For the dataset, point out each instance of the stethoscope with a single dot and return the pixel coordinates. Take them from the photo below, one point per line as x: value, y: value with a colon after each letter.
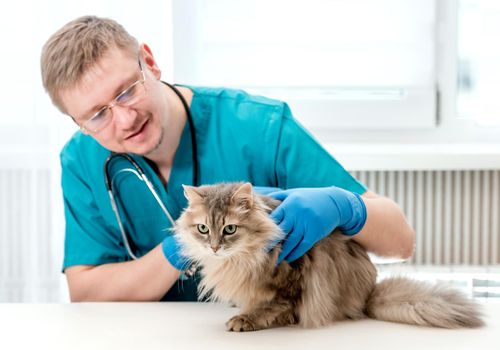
x: 137, y: 170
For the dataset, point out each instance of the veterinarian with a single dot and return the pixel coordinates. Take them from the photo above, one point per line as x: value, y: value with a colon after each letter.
x: 118, y: 245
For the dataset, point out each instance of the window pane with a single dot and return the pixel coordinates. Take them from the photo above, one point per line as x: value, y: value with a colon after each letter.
x: 17, y: 91
x: 340, y: 64
x: 479, y: 57
x: 309, y: 43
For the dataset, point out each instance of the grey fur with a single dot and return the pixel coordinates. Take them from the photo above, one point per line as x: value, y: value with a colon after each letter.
x: 334, y: 281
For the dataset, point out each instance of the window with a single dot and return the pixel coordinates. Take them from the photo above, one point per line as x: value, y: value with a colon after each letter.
x: 340, y: 64
x: 478, y: 59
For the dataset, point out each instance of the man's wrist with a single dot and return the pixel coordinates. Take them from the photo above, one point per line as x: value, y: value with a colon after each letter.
x: 353, y: 209
x: 172, y: 252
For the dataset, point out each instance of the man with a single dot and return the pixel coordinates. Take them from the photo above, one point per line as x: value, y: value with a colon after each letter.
x: 98, y: 74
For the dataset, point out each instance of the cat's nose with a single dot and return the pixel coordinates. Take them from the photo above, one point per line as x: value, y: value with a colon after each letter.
x: 215, y: 248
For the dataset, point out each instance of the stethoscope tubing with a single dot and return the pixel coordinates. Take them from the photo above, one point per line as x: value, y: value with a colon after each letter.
x: 137, y: 169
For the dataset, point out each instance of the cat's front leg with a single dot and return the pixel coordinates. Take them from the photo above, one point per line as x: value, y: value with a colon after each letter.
x: 241, y: 323
x: 271, y: 315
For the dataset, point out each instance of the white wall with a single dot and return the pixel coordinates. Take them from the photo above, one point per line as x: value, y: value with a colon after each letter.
x: 32, y: 132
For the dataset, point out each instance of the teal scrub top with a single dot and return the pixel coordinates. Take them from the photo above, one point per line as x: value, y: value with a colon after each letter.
x: 240, y: 137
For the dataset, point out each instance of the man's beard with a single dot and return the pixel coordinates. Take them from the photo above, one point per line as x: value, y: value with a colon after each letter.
x: 157, y: 146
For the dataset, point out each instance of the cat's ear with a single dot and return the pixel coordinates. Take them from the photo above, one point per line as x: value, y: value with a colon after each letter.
x: 243, y: 196
x: 191, y: 193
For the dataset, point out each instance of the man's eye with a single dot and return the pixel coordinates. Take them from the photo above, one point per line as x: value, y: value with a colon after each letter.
x: 100, y: 115
x: 126, y: 95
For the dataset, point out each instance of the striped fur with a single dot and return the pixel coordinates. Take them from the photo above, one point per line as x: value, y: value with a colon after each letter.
x: 334, y: 281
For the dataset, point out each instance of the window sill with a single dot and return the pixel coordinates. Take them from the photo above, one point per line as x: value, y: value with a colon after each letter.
x: 456, y: 156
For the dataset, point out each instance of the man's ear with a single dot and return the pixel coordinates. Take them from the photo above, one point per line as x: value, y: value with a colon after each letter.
x: 146, y: 55
x: 243, y: 196
x: 192, y: 194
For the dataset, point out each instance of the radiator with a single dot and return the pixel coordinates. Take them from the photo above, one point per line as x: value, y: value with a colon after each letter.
x: 455, y: 213
x: 29, y: 267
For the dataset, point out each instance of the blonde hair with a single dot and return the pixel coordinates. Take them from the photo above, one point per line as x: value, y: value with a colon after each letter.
x: 76, y: 47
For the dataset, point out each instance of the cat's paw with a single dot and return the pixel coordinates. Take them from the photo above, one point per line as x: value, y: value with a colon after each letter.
x: 241, y: 323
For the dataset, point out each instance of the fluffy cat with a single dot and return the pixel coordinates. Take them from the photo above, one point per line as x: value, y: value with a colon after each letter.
x: 226, y: 230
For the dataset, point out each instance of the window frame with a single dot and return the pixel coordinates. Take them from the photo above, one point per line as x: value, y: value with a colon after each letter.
x: 449, y: 127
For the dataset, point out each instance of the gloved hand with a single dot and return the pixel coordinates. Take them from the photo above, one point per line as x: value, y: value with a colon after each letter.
x: 171, y: 250
x: 307, y: 215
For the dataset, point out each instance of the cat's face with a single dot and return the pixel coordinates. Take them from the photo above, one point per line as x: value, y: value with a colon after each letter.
x: 224, y: 220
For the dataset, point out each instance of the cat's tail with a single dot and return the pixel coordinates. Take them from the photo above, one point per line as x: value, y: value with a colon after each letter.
x: 409, y: 301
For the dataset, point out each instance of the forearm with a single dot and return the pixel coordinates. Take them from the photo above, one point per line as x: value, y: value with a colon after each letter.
x: 144, y: 279
x: 386, y: 231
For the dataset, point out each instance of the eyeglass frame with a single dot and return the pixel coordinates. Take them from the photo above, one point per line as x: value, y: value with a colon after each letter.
x: 113, y: 103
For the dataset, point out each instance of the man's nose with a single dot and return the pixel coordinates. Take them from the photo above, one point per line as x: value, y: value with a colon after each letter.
x: 124, y: 117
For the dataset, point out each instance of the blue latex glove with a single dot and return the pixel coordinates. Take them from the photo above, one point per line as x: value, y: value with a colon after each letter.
x: 171, y: 250
x: 307, y: 215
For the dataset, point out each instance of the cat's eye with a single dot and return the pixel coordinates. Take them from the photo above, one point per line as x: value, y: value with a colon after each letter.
x: 230, y: 229
x: 203, y: 229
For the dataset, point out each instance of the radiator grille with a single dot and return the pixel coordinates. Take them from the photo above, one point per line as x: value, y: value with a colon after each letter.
x: 455, y: 213
x: 28, y: 270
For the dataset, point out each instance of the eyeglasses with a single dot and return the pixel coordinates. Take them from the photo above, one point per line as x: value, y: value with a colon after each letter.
x: 128, y: 97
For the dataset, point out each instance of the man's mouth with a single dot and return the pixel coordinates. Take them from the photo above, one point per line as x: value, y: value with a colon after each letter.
x: 137, y: 132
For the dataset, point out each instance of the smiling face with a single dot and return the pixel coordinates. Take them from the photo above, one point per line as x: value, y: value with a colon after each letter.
x: 136, y: 128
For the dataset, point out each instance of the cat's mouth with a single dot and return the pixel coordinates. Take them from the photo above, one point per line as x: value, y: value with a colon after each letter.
x: 219, y: 253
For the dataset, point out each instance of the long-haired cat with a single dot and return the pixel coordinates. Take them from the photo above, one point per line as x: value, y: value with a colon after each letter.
x: 226, y: 231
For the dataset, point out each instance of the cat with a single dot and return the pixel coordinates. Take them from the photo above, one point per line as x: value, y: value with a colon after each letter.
x: 226, y: 231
